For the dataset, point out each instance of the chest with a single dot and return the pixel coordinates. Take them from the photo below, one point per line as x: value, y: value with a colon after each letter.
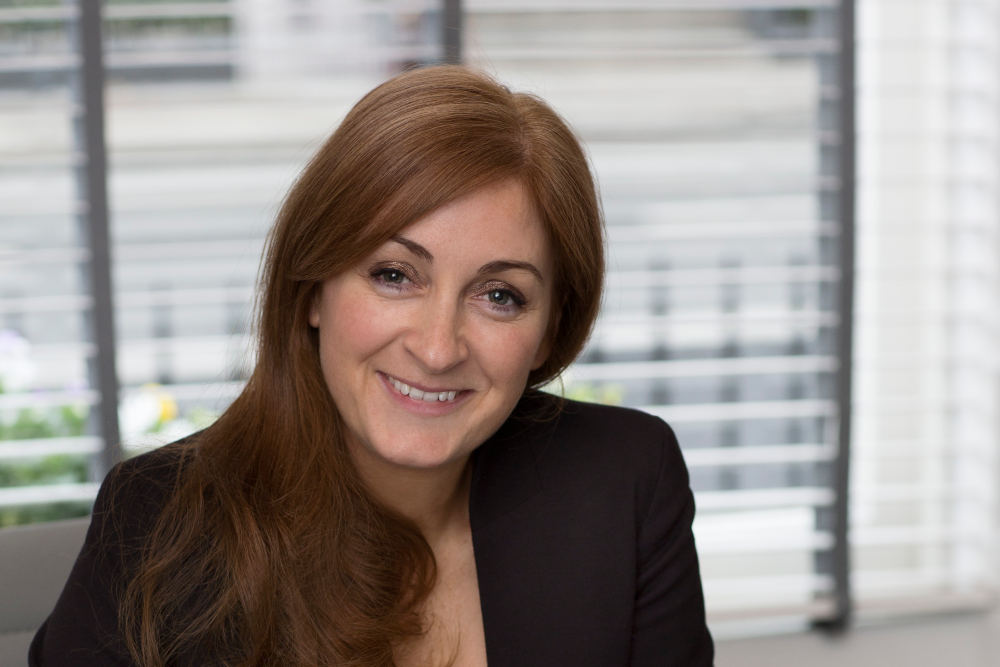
x: 453, y: 613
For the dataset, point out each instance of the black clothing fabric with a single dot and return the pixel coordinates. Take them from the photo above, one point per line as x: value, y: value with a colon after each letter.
x: 581, y: 526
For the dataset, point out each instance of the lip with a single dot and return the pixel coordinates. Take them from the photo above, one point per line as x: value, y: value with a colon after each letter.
x: 426, y: 408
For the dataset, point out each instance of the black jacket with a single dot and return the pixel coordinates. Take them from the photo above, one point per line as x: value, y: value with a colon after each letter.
x: 581, y: 526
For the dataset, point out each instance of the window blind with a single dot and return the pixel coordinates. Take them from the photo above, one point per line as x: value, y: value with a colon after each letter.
x: 212, y: 109
x: 924, y: 494
x: 48, y: 453
x: 712, y: 126
x: 713, y: 131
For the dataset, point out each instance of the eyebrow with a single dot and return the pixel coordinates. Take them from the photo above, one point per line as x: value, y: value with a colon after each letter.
x: 498, y: 266
x: 414, y: 247
x: 508, y: 264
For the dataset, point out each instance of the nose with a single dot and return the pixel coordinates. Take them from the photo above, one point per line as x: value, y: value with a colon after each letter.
x: 436, y: 340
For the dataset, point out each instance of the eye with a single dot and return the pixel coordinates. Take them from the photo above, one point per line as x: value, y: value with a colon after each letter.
x: 500, y: 297
x: 394, y: 276
x: 390, y: 277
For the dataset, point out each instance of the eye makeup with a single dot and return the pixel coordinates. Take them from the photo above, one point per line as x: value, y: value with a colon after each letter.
x: 392, y: 275
x: 502, y: 290
x: 399, y: 276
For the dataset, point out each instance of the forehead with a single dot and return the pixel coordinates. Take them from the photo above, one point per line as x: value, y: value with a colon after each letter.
x: 496, y: 222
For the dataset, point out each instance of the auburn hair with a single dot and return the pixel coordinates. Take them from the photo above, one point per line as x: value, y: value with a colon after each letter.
x: 269, y: 550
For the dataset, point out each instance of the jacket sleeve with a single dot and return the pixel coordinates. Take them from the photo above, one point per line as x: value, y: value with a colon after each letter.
x: 669, y: 626
x: 83, y: 629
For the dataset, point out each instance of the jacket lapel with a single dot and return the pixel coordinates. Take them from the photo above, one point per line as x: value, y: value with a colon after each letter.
x: 503, y: 476
x: 505, y: 479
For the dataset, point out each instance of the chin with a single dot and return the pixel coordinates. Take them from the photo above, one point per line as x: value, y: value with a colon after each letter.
x: 417, y: 455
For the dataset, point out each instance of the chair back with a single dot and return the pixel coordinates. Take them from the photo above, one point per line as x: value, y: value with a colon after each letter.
x: 35, y: 562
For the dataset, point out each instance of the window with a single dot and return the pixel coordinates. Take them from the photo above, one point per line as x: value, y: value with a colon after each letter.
x: 49, y: 452
x: 721, y: 133
x: 924, y: 477
x: 713, y: 128
x: 211, y: 110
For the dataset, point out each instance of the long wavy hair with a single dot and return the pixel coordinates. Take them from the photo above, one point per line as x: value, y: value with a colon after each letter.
x: 269, y: 550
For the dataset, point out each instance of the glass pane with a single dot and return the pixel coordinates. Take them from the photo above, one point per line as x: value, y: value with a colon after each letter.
x: 213, y: 109
x: 713, y: 135
x: 924, y: 483
x: 45, y: 454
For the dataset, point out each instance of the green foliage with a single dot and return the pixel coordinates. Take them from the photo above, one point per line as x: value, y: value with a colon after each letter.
x: 802, y: 17
x: 17, y: 516
x: 180, y: 25
x: 60, y: 469
x: 30, y: 3
x: 31, y: 423
x: 64, y: 421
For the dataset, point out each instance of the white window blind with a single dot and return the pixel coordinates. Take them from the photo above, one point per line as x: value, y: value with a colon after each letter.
x: 47, y: 455
x: 924, y: 480
x: 212, y: 109
x: 201, y: 158
x: 710, y: 126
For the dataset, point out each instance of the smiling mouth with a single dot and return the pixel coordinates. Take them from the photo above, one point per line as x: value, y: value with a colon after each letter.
x: 421, y: 395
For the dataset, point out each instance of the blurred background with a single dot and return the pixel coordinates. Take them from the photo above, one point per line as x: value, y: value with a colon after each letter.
x: 801, y: 206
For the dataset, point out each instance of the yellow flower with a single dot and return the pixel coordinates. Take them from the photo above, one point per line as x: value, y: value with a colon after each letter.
x: 168, y: 405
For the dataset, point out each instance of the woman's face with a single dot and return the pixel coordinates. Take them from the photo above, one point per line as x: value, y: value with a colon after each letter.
x: 426, y: 344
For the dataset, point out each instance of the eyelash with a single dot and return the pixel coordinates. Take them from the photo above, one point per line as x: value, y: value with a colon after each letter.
x: 519, y: 302
x: 379, y: 271
x: 515, y: 297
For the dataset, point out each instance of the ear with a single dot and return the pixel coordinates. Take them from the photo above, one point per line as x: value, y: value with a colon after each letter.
x: 546, y: 347
x: 314, y: 305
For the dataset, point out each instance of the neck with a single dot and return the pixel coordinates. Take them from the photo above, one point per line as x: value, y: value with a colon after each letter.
x: 436, y: 499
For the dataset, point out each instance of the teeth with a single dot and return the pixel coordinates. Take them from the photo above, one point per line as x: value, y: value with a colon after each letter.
x: 420, y: 395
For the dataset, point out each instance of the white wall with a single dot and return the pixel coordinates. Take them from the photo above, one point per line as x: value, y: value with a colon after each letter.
x: 970, y: 640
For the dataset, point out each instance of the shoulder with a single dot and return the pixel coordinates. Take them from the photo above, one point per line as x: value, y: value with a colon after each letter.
x: 128, y: 504
x: 155, y: 468
x: 587, y: 450
x: 143, y: 480
x: 596, y: 436
x: 85, y: 621
x: 595, y: 420
x: 610, y: 425
x: 133, y: 494
x: 575, y: 509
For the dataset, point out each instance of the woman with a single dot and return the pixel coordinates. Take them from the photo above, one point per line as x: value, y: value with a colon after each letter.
x: 390, y: 488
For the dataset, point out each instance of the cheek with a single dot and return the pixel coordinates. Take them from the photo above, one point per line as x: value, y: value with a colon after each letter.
x: 506, y: 353
x: 352, y: 329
